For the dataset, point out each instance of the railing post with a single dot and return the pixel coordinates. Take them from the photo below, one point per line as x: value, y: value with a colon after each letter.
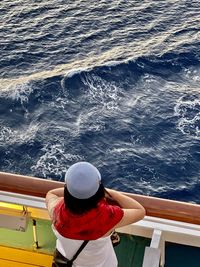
x: 35, y: 236
x: 162, y: 256
x: 152, y: 255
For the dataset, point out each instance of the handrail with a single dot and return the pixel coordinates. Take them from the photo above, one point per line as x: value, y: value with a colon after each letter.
x: 156, y: 207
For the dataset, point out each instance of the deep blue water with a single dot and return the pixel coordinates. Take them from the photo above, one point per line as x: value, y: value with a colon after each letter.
x: 114, y: 82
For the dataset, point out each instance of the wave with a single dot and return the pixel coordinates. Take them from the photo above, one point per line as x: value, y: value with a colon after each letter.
x: 165, y: 66
x: 137, y: 120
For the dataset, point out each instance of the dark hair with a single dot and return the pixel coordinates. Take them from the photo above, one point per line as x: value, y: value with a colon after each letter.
x: 80, y: 206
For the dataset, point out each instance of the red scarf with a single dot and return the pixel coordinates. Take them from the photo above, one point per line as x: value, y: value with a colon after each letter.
x: 88, y: 226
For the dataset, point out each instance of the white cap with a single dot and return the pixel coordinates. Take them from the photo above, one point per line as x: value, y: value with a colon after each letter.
x: 82, y: 180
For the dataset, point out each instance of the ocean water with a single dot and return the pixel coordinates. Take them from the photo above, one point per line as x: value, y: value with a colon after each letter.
x: 115, y: 83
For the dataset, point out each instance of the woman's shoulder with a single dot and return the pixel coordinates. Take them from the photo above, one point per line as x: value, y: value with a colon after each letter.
x: 52, y: 202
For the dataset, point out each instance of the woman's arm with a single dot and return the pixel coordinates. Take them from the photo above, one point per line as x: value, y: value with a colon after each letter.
x: 133, y: 210
x: 52, y: 198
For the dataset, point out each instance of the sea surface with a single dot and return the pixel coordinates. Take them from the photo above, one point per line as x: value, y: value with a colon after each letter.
x: 115, y: 83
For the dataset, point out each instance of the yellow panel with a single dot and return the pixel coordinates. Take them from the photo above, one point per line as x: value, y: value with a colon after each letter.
x: 39, y: 213
x: 35, y: 212
x: 11, y: 206
x: 5, y: 263
x: 23, y: 257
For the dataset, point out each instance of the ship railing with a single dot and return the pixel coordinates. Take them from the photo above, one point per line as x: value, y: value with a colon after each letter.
x: 166, y: 220
x: 161, y: 231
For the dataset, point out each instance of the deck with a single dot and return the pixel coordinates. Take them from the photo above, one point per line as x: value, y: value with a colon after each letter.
x: 166, y: 221
x: 18, y: 249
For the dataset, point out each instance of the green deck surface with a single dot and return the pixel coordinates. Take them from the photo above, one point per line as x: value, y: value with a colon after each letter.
x: 130, y: 251
x: 24, y: 240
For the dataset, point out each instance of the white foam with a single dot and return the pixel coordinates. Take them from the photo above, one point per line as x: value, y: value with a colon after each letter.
x: 103, y: 93
x: 60, y: 102
x: 192, y: 75
x: 5, y: 134
x: 148, y: 187
x: 188, y: 113
x: 133, y: 100
x: 72, y: 72
x: 89, y: 121
x: 19, y: 136
x: 19, y: 92
x: 53, y: 161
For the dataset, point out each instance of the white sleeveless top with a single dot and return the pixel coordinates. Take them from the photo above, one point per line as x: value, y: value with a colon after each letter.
x: 97, y: 253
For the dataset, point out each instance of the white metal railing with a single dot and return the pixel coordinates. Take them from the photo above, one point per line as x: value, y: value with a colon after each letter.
x: 24, y: 200
x: 152, y: 254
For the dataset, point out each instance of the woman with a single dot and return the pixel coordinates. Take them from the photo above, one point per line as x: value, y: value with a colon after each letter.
x: 81, y: 211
